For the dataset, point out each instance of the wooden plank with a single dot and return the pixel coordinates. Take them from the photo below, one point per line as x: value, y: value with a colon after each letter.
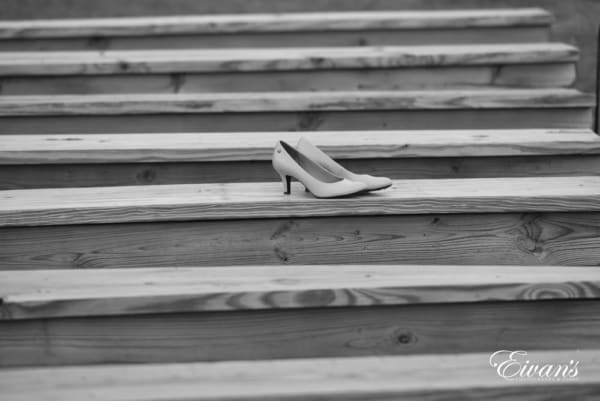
x: 512, y: 118
x: 423, y: 377
x: 302, y: 333
x: 432, y: 36
x: 119, y: 104
x: 525, y: 239
x: 524, y: 76
x: 292, y: 111
x: 286, y: 22
x: 110, y: 9
x: 29, y: 176
x: 255, y: 146
x: 64, y: 293
x: 45, y: 161
x: 278, y: 59
x: 153, y: 203
x: 541, y: 76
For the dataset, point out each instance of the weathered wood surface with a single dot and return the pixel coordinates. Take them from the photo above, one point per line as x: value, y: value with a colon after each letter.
x: 411, y: 37
x: 279, y: 59
x: 547, y: 75
x: 285, y: 22
x: 423, y: 377
x: 443, y: 99
x: 28, y: 176
x: 253, y: 146
x: 321, y: 69
x: 319, y: 120
x: 38, y: 207
x: 536, y: 239
x: 481, y: 108
x: 63, y: 293
x: 303, y: 333
x: 46, y: 161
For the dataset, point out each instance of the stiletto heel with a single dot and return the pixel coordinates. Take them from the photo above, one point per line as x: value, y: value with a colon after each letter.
x: 289, y: 162
x: 287, y: 183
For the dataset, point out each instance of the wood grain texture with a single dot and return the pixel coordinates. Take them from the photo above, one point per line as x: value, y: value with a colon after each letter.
x: 511, y: 118
x: 258, y: 146
x: 250, y: 23
x: 264, y: 200
x: 575, y: 22
x: 537, y: 239
x: 29, y: 176
x: 547, y: 75
x: 414, y: 37
x: 63, y: 293
x: 278, y: 59
x: 190, y: 7
x: 119, y: 104
x: 423, y: 377
x: 302, y: 333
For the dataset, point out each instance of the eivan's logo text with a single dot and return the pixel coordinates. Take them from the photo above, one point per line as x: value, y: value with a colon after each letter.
x: 517, y: 365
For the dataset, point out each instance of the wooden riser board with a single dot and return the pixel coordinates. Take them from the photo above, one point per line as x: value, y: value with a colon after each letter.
x: 525, y: 76
x: 571, y: 239
x: 466, y: 377
x: 364, y: 331
x: 302, y: 121
x: 433, y: 36
x: 108, y: 174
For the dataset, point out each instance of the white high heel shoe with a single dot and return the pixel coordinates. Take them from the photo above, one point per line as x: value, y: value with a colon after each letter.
x: 289, y: 162
x: 318, y: 156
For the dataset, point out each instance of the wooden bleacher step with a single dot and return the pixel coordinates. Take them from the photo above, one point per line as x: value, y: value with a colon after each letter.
x: 42, y: 294
x: 155, y: 203
x: 519, y: 221
x: 241, y: 70
x: 351, y: 28
x: 412, y: 378
x: 65, y: 317
x: 483, y: 108
x: 44, y: 161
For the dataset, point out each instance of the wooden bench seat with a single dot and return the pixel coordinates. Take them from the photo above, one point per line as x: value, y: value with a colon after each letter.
x: 155, y: 203
x: 351, y: 68
x: 96, y: 316
x: 484, y: 108
x: 281, y: 29
x: 44, y: 161
x: 258, y: 146
x: 500, y: 221
x: 45, y: 294
x: 466, y: 376
x: 240, y: 70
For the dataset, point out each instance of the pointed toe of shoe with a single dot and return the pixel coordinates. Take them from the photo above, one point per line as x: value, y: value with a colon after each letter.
x: 375, y: 183
x: 380, y: 183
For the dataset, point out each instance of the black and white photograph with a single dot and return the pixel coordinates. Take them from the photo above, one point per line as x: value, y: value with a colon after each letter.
x: 299, y: 200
